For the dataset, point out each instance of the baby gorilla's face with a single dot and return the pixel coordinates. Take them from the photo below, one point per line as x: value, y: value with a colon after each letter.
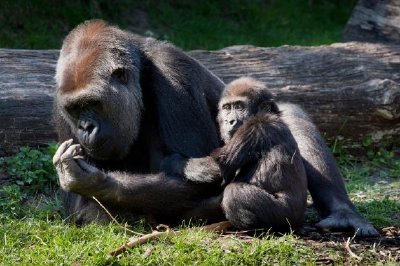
x: 233, y: 112
x: 242, y: 99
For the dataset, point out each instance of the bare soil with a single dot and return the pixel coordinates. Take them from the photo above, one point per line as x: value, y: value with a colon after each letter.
x: 367, y: 249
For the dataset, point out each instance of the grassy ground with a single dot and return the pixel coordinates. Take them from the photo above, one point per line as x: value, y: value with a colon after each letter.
x: 32, y: 226
x: 33, y: 230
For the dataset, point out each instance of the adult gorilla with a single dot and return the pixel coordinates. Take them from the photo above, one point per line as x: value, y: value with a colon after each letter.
x: 127, y: 102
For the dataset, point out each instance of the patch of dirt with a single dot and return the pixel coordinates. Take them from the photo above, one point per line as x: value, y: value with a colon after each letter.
x: 359, y: 251
x: 334, y: 248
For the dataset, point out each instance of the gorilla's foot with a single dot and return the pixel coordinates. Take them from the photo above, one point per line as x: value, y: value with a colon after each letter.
x: 347, y: 218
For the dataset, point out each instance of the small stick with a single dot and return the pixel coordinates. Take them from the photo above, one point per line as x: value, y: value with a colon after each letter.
x: 135, y: 242
x: 352, y: 254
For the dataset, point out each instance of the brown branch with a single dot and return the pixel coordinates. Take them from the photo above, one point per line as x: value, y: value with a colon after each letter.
x: 135, y: 242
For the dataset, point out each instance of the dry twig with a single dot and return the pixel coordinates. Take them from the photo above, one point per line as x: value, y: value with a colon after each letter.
x: 352, y: 254
x: 135, y: 242
x: 115, y: 220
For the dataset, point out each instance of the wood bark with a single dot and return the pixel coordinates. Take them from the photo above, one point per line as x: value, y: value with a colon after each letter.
x: 374, y: 21
x: 351, y: 90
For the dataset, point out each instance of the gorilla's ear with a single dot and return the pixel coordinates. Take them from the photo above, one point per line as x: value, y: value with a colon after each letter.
x: 179, y: 84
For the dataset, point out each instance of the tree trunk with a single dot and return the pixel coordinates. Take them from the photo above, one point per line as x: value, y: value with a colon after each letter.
x: 26, y: 98
x: 374, y: 21
x: 351, y: 90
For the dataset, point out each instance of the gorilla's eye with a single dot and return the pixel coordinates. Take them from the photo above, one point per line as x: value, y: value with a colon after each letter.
x: 238, y: 106
x: 76, y: 108
x: 226, y: 106
x: 73, y: 110
x: 121, y: 74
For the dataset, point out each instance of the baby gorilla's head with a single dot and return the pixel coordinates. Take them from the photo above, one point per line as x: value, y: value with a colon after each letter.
x: 241, y: 99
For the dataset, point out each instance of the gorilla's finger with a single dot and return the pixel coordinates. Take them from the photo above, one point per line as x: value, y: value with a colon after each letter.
x: 60, y: 151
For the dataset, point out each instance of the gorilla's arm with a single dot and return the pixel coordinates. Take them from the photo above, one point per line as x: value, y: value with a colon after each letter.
x: 141, y: 193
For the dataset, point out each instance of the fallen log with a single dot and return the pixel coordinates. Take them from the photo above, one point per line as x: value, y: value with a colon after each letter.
x: 374, y: 21
x: 351, y: 90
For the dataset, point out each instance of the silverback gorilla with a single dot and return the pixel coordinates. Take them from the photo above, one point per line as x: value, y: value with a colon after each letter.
x: 124, y: 102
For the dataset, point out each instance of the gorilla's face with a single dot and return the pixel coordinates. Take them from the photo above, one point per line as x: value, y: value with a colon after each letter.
x: 233, y: 111
x: 241, y: 99
x: 98, y: 90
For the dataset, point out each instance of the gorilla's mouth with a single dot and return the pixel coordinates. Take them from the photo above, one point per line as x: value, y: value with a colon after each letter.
x: 102, y: 150
x: 233, y: 131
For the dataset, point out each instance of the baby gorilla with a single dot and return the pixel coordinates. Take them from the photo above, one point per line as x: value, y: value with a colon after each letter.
x: 260, y: 161
x: 261, y: 166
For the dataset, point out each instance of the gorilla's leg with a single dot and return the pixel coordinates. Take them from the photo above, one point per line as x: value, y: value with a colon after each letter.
x: 325, y: 182
x: 209, y: 210
x: 82, y: 211
x: 250, y: 207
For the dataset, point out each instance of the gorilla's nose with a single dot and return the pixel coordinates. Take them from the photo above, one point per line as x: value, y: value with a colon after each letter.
x: 87, y: 126
x: 87, y: 130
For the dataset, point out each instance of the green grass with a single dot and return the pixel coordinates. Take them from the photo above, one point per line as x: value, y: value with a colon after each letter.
x: 373, y: 181
x: 33, y: 242
x: 213, y: 25
x: 42, y: 24
x: 377, y: 196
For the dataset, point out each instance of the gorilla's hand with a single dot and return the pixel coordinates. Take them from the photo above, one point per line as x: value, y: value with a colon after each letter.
x: 73, y: 172
x: 199, y: 170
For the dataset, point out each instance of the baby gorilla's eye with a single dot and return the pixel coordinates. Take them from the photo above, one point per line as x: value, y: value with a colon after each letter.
x: 226, y: 107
